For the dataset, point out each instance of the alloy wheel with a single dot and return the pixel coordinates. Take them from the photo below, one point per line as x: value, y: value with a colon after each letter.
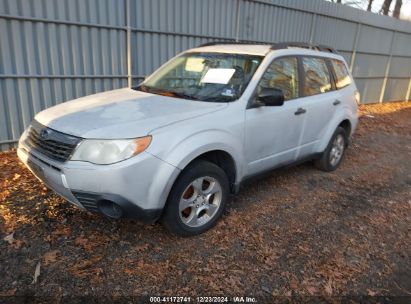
x: 337, y: 150
x: 200, y: 201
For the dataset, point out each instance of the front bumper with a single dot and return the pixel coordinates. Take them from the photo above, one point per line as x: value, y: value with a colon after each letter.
x: 139, y: 185
x: 98, y: 202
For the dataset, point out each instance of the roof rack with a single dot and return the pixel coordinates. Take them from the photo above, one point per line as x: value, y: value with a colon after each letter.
x: 279, y: 46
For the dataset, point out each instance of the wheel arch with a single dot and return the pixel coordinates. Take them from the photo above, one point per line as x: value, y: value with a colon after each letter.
x: 221, y: 158
x: 342, y: 121
x: 346, y: 125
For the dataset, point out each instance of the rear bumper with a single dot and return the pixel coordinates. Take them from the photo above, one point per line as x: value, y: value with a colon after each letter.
x: 138, y: 186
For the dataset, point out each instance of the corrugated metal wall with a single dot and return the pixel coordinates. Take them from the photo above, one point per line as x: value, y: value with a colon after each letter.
x: 56, y: 50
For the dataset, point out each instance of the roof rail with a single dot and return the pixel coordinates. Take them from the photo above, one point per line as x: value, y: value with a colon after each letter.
x: 227, y: 42
x: 278, y: 46
x: 326, y: 48
x: 319, y: 47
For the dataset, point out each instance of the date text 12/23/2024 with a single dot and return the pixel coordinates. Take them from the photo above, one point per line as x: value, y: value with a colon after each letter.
x: 203, y: 300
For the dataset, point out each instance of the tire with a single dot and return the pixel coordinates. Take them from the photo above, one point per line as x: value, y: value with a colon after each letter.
x: 332, y: 156
x: 194, y: 190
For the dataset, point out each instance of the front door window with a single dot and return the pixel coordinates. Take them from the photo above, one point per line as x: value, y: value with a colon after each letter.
x: 282, y: 74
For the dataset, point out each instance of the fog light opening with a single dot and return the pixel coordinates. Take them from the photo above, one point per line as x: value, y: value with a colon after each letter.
x: 110, y: 209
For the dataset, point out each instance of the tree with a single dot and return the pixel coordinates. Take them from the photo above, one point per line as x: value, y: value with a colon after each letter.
x: 397, y: 9
x: 386, y: 7
x: 369, y: 5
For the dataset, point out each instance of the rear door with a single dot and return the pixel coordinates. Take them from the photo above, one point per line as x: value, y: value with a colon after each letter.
x: 343, y: 82
x: 273, y: 133
x: 320, y: 100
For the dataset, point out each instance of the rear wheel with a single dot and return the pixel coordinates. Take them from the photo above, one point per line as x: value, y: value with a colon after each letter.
x: 333, y: 154
x: 197, y: 199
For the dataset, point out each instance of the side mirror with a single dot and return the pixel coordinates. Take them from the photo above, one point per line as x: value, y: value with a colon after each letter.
x: 271, y: 97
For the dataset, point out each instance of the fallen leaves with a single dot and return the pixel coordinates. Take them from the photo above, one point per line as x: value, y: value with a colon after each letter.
x: 383, y: 108
x: 83, y: 242
x: 10, y: 219
x: 141, y: 247
x: 9, y: 238
x: 16, y: 244
x: 91, y: 242
x: 298, y: 232
x: 86, y: 268
x: 51, y: 257
x: 311, y: 290
x: 328, y: 288
x: 8, y: 293
x: 371, y: 293
x: 64, y: 231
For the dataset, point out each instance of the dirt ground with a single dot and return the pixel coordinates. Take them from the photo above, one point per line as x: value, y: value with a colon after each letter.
x: 298, y: 233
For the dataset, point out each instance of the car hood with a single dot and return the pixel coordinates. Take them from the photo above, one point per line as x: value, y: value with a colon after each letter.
x: 123, y: 113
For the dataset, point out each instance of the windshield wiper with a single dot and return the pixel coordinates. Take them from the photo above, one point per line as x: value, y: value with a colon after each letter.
x: 141, y: 88
x: 152, y: 90
x: 220, y: 99
x: 183, y: 95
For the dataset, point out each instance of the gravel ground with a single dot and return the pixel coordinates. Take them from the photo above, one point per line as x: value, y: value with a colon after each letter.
x: 298, y: 233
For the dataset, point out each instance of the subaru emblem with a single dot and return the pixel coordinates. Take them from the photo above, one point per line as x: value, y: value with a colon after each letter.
x: 44, y: 134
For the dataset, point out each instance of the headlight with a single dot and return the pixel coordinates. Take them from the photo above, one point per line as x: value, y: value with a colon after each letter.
x: 104, y: 152
x: 23, y: 136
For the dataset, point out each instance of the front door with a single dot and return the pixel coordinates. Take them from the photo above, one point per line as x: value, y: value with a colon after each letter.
x: 273, y: 133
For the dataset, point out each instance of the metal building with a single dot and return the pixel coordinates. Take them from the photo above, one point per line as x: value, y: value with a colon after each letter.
x: 56, y: 50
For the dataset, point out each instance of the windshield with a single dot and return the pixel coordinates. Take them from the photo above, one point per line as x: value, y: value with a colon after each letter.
x: 214, y: 77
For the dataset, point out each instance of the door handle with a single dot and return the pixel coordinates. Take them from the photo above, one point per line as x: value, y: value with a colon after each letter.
x: 300, y: 111
x: 336, y: 103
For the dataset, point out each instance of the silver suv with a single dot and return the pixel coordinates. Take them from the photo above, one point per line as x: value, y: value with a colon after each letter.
x: 177, y: 145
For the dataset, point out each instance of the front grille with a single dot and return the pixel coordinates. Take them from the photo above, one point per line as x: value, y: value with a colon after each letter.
x: 88, y: 200
x: 54, y: 144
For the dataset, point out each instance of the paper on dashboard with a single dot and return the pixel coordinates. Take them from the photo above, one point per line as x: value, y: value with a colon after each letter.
x: 220, y: 76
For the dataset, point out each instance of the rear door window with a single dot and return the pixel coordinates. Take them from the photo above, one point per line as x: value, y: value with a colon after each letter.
x: 341, y: 74
x: 317, y: 78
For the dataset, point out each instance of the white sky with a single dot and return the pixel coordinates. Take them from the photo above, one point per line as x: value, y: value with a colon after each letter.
x: 376, y: 6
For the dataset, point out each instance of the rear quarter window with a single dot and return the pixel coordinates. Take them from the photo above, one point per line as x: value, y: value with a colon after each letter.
x: 317, y: 78
x: 341, y: 74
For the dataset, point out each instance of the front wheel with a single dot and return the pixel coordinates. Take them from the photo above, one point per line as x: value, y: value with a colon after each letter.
x: 333, y: 154
x: 197, y: 199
